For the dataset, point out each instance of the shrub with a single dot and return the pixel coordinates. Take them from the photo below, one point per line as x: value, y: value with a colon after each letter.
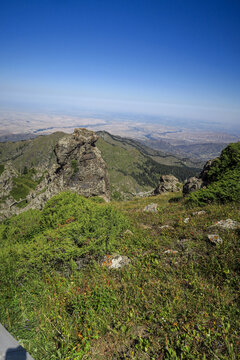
x: 224, y: 179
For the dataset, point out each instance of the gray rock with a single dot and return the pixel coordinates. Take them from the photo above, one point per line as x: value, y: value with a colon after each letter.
x: 153, y: 208
x: 186, y: 220
x: 115, y: 261
x: 191, y: 185
x: 215, y: 239
x: 196, y: 183
x: 227, y: 224
x: 167, y: 183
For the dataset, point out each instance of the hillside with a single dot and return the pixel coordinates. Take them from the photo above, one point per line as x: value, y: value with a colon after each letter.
x: 177, y: 297
x: 151, y: 278
x: 134, y: 167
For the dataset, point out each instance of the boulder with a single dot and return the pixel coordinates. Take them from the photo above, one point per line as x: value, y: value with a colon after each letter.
x: 192, y: 184
x: 167, y: 183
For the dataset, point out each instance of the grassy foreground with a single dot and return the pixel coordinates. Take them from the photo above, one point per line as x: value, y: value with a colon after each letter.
x: 183, y: 304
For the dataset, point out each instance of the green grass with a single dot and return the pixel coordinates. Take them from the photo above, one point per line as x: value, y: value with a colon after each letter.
x: 162, y: 306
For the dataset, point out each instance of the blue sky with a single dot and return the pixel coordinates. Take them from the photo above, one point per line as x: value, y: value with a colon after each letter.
x: 165, y: 57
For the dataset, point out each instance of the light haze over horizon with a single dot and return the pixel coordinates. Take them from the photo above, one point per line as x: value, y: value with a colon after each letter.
x: 167, y: 58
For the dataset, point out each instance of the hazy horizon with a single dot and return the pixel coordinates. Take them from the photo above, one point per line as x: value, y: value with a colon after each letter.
x: 172, y: 60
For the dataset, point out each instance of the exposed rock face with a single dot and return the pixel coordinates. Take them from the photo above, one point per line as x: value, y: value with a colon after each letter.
x: 167, y: 183
x: 196, y: 183
x: 192, y: 184
x: 6, y: 179
x: 80, y: 168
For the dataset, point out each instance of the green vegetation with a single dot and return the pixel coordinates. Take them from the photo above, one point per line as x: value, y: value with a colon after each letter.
x: 183, y: 304
x: 134, y: 168
x: 1, y: 169
x: 30, y: 153
x: 224, y: 179
x: 74, y: 166
x: 23, y: 184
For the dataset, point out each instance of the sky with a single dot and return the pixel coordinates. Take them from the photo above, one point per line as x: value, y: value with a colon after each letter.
x: 164, y: 57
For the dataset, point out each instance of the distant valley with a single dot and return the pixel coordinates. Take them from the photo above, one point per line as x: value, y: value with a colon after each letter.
x: 180, y: 139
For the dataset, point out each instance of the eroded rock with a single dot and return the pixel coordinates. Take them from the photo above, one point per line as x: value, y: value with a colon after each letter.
x: 192, y: 184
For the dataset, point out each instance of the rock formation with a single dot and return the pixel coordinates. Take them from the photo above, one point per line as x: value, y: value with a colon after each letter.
x: 167, y: 183
x: 79, y: 167
x: 196, y: 183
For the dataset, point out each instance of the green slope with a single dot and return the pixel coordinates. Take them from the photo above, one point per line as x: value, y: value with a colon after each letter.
x: 134, y: 167
x: 177, y: 299
x: 30, y: 153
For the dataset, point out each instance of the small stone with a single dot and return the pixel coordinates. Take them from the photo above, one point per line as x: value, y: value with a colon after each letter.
x: 166, y: 227
x: 115, y: 261
x: 202, y: 212
x: 151, y: 208
x: 227, y: 224
x: 170, y: 251
x: 215, y: 239
x: 186, y: 220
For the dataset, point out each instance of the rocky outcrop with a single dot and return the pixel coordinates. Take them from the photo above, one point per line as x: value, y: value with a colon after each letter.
x: 79, y: 167
x: 6, y: 179
x: 192, y: 184
x: 196, y: 183
x: 167, y: 183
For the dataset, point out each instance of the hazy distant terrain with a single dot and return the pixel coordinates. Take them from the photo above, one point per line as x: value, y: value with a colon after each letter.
x: 178, y: 138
